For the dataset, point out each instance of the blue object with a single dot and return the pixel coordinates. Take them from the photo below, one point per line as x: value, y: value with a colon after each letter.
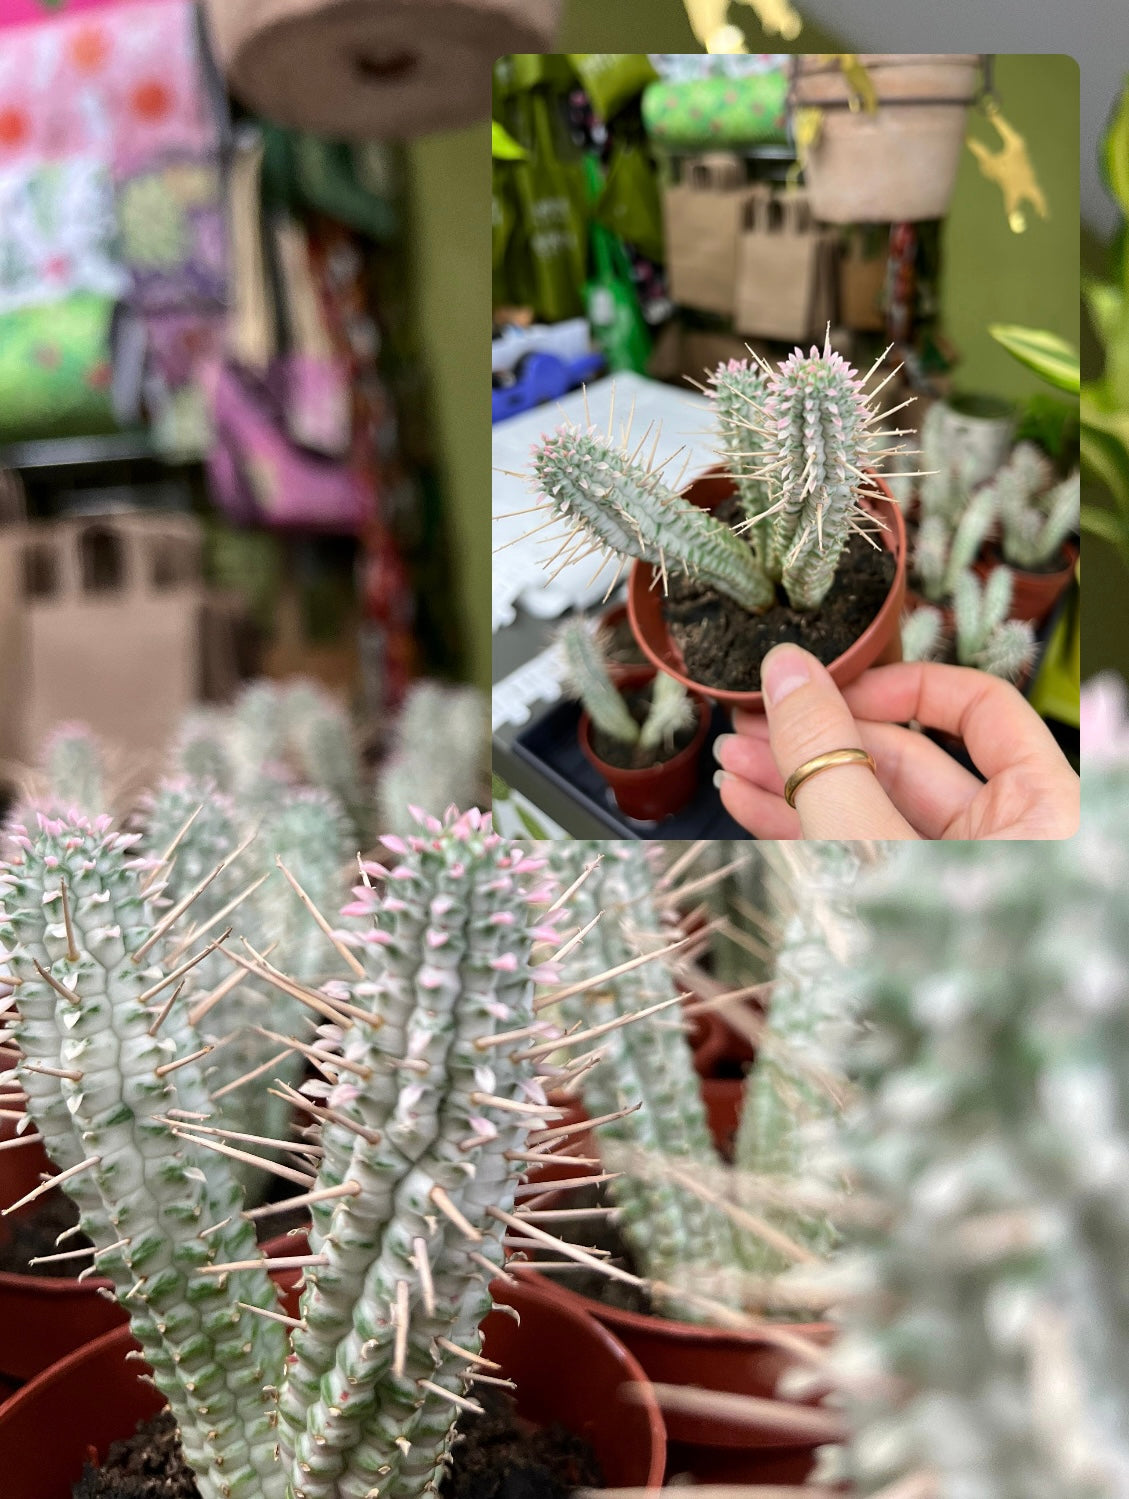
x: 540, y: 378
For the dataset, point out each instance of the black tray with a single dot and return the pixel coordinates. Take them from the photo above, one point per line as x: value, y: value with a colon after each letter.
x: 551, y: 747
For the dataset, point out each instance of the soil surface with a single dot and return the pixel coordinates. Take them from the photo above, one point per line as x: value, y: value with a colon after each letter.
x: 622, y: 648
x: 496, y: 1456
x: 625, y: 756
x: 723, y: 645
x: 34, y: 1236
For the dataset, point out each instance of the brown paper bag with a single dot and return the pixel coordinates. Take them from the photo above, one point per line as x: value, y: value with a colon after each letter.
x: 785, y: 269
x: 862, y: 282
x: 104, y: 627
x: 702, y: 217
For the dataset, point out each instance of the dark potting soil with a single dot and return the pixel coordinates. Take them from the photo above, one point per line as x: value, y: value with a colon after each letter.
x: 625, y: 756
x: 723, y: 645
x: 497, y: 1456
x: 34, y: 1236
x: 148, y: 1465
x: 621, y: 647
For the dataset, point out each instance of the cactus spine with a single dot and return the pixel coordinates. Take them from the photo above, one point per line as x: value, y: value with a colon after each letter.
x: 670, y: 708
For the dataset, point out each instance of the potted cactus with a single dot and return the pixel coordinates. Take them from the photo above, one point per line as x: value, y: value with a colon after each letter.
x: 644, y: 735
x: 984, y: 634
x: 704, y: 1324
x: 422, y: 1132
x: 1039, y: 515
x: 800, y: 542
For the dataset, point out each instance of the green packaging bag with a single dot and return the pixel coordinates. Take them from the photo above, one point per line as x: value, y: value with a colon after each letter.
x: 546, y: 259
x: 704, y: 113
x: 612, y: 79
x: 610, y: 303
x: 630, y: 205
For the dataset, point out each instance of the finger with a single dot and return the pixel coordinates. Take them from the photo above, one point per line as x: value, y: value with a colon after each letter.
x: 927, y: 786
x: 763, y: 813
x: 1000, y: 729
x: 807, y: 717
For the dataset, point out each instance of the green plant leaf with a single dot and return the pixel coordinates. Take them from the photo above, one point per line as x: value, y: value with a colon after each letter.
x: 1109, y: 527
x: 1108, y: 461
x: 530, y: 823
x: 503, y: 147
x: 1115, y: 151
x: 1050, y: 356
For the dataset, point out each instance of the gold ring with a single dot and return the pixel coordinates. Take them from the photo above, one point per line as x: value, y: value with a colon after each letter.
x: 825, y: 762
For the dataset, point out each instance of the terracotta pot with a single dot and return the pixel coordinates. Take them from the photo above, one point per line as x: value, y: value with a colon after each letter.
x: 94, y: 1396
x: 719, y: 1050
x: 1034, y: 595
x: 878, y: 644
x: 41, y: 1319
x: 650, y: 795
x: 895, y: 165
x: 612, y: 620
x: 723, y: 1098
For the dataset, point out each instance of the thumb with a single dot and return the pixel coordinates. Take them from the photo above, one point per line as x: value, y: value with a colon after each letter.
x: 807, y: 716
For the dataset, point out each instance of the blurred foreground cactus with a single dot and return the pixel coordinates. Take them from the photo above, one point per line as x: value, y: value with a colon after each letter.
x: 438, y: 756
x: 425, y: 1132
x: 986, y: 1341
x: 812, y: 435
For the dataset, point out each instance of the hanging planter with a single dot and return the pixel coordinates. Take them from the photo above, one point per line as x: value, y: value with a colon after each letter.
x: 95, y: 1397
x: 881, y: 134
x: 382, y: 70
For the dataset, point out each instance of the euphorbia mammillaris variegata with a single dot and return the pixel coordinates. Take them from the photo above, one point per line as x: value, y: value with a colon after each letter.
x: 800, y: 440
x: 424, y: 1139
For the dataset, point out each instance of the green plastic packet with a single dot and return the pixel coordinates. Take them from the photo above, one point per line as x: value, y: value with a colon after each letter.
x: 612, y: 307
x: 546, y: 258
x: 612, y: 79
x: 630, y: 205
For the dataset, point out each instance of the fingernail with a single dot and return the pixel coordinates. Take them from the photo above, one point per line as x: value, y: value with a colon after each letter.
x: 784, y: 669
x: 720, y: 777
x: 719, y: 744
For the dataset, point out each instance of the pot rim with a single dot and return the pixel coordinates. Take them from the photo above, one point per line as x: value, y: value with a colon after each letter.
x: 889, y: 614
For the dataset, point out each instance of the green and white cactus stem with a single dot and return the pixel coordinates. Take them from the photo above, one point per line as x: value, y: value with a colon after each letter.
x: 425, y: 1137
x: 321, y: 736
x: 676, y: 1238
x: 944, y: 550
x: 986, y: 1347
x: 812, y: 435
x: 1036, y: 522
x: 985, y: 637
x: 74, y: 764
x: 922, y: 634
x: 796, y: 1093
x: 438, y: 756
x: 200, y: 750
x: 587, y: 674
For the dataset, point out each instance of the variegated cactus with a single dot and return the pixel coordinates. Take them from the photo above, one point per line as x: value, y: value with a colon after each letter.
x: 985, y: 637
x: 425, y: 1134
x: 801, y: 440
x: 437, y: 758
x: 670, y: 707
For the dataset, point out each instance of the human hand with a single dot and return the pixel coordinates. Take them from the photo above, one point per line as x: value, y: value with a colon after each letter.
x: 1030, y: 790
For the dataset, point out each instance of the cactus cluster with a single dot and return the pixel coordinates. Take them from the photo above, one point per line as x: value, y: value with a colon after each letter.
x: 587, y: 675
x: 983, y: 636
x: 438, y: 755
x: 432, y: 1089
x: 986, y: 1348
x: 800, y: 440
x: 945, y: 549
x: 1037, y: 513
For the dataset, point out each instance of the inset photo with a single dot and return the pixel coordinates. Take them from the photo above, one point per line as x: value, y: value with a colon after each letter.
x: 786, y: 443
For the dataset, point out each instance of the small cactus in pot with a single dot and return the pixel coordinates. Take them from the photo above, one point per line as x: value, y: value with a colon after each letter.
x: 802, y: 442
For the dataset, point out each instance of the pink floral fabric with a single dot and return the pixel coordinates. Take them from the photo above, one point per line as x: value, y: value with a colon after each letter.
x: 118, y: 81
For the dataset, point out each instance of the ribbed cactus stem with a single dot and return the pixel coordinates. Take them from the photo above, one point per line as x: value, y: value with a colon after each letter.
x: 671, y: 711
x: 921, y: 634
x: 448, y: 949
x: 822, y: 441
x: 623, y: 507
x: 74, y: 763
x: 931, y: 556
x: 970, y: 534
x: 668, y: 1229
x: 321, y: 736
x: 438, y: 756
x: 796, y: 1095
x: 738, y: 389
x: 993, y: 1137
x: 146, y: 1190
x: 1035, y: 529
x: 588, y: 678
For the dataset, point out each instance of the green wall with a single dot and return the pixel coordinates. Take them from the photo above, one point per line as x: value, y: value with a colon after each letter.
x: 990, y: 272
